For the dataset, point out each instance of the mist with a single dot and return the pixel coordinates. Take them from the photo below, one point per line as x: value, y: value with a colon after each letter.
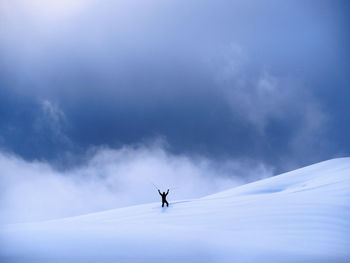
x: 112, y: 178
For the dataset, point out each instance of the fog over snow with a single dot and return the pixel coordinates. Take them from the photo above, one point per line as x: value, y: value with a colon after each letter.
x: 299, y: 216
x: 113, y: 178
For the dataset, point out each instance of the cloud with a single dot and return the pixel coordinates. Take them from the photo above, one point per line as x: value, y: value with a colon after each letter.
x: 114, y: 73
x: 123, y: 71
x: 113, y: 178
x: 276, y: 105
x: 52, y: 118
x: 50, y: 125
x: 258, y: 96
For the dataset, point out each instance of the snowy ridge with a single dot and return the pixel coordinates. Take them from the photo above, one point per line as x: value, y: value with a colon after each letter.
x: 299, y: 216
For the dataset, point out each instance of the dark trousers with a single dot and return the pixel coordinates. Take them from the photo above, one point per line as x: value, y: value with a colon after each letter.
x: 166, y: 202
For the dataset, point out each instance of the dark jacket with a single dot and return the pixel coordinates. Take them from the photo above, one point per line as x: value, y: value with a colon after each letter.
x: 163, y: 195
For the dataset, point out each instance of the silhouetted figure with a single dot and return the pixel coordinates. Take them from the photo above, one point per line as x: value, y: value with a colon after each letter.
x: 164, y: 197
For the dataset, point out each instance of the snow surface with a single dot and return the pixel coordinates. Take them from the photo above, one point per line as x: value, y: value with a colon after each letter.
x: 300, y: 216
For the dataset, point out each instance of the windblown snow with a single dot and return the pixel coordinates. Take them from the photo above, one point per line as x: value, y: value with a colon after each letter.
x: 299, y: 216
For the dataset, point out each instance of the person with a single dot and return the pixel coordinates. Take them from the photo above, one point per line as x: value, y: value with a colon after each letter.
x: 163, y: 195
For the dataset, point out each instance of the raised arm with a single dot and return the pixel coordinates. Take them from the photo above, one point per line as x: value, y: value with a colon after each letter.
x: 167, y: 192
x: 159, y: 192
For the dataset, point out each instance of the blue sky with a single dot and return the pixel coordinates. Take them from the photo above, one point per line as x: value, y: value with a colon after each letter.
x: 265, y: 81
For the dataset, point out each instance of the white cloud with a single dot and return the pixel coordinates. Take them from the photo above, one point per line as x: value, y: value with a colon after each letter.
x: 113, y: 178
x: 48, y: 11
x: 52, y: 120
x: 258, y: 96
x: 53, y: 113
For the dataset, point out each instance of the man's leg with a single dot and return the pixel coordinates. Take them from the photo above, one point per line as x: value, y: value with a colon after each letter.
x: 162, y: 204
x: 167, y: 204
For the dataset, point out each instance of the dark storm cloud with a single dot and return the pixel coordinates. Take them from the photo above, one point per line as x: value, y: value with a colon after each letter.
x: 226, y: 80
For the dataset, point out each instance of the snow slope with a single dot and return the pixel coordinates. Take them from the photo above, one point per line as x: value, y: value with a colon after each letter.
x: 300, y: 216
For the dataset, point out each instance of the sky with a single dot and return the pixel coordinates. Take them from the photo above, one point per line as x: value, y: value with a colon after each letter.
x: 246, y: 87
